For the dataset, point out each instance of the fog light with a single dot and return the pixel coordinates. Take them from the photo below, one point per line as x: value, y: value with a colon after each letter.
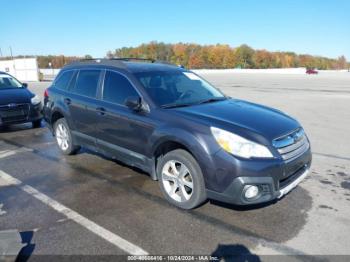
x: 250, y: 191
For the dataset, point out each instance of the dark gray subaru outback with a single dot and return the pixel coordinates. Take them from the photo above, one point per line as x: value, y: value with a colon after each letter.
x: 180, y: 129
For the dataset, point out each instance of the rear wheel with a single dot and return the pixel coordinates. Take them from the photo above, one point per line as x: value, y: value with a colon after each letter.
x: 64, y: 137
x: 181, y: 179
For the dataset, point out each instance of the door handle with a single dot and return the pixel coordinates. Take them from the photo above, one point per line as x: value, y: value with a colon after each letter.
x: 67, y: 101
x: 101, y: 110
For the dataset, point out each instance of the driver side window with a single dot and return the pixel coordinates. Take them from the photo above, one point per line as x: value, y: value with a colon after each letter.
x: 117, y: 88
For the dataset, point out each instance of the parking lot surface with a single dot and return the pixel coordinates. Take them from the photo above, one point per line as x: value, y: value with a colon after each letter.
x: 89, y: 205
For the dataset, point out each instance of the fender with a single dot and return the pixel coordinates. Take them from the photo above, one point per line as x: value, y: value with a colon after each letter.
x: 196, y: 145
x: 62, y: 108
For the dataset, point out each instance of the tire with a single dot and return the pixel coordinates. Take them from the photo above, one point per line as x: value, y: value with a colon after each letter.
x: 64, y: 137
x: 176, y: 185
x: 36, y: 124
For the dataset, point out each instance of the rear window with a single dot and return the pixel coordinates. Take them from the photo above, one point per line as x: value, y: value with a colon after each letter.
x: 63, y: 80
x: 87, y: 83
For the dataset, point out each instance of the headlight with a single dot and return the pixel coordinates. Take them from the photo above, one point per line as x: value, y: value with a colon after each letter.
x: 239, y: 146
x: 35, y: 100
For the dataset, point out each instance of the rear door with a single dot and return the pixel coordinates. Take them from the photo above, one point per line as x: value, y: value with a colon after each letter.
x: 122, y: 132
x: 83, y: 106
x: 58, y: 92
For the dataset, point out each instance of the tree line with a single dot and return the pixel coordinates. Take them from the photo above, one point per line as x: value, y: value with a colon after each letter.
x: 217, y: 56
x: 223, y: 56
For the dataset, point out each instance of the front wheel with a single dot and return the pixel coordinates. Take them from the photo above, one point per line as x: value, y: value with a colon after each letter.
x: 64, y: 137
x: 181, y: 179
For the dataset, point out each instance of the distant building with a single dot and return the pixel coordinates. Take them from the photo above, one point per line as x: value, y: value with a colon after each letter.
x: 24, y: 69
x: 49, y: 74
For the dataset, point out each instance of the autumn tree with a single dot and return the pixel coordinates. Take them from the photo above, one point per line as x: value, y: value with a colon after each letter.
x: 341, y: 63
x: 263, y: 59
x: 193, y: 55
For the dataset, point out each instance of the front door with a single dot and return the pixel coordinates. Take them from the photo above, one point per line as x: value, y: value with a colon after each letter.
x: 122, y: 132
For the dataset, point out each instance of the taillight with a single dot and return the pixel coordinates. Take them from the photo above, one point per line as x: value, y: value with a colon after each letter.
x: 46, y: 94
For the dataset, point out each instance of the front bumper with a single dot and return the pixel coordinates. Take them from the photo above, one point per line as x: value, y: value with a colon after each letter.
x: 23, y: 114
x: 274, y: 181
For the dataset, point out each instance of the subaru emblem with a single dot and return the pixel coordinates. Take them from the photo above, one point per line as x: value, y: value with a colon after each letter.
x: 297, y: 136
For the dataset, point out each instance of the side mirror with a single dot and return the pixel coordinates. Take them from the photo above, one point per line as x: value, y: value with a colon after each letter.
x: 134, y: 103
x: 25, y: 85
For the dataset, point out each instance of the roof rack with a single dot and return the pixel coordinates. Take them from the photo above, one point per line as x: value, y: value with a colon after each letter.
x: 104, y: 61
x: 127, y: 59
x: 133, y: 58
x: 119, y: 61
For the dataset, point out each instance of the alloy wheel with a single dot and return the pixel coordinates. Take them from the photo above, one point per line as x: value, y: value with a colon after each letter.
x: 177, y: 181
x: 62, y: 137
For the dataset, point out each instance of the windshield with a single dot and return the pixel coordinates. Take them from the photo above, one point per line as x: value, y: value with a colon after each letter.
x: 173, y: 89
x: 7, y: 82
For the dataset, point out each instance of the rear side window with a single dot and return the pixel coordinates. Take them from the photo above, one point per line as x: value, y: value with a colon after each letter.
x: 87, y: 83
x: 63, y: 80
x: 117, y: 88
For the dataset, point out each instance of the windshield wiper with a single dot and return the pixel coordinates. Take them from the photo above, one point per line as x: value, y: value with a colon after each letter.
x: 174, y: 105
x: 213, y: 99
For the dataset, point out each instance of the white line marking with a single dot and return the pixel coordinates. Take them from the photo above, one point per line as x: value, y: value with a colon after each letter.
x: 76, y: 217
x: 7, y: 153
x: 2, y: 212
x: 7, y: 180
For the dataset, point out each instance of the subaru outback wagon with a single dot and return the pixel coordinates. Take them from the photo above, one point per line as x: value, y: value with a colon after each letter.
x: 168, y: 121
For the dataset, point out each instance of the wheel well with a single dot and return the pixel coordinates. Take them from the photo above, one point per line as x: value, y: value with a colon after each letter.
x: 55, y: 116
x: 164, y: 148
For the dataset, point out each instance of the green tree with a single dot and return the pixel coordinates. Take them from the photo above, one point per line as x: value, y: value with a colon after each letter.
x: 244, y: 56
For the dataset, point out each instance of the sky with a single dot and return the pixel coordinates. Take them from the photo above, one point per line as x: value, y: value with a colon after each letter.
x: 80, y: 27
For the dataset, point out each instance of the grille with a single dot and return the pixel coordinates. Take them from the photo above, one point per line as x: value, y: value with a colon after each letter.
x: 292, y: 145
x: 14, y: 112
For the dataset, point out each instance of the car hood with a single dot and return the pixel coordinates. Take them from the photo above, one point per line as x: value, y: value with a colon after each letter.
x: 15, y: 95
x: 237, y: 115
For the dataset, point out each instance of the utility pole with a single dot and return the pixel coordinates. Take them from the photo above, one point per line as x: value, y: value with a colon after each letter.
x: 11, y: 52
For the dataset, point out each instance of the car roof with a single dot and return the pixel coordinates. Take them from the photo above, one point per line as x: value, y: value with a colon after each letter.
x: 137, y: 67
x: 4, y: 73
x: 133, y: 67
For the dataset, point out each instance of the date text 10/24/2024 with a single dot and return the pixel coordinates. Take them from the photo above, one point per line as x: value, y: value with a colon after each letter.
x: 173, y: 258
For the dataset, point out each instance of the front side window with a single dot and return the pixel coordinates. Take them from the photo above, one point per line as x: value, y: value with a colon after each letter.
x: 8, y: 82
x: 63, y: 80
x: 87, y: 82
x: 117, y: 88
x: 178, y: 88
